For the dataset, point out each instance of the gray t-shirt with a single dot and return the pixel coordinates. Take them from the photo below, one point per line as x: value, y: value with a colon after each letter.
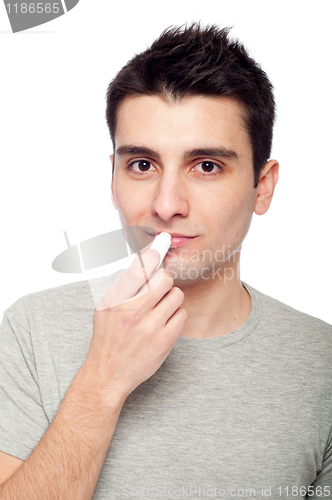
x: 246, y: 414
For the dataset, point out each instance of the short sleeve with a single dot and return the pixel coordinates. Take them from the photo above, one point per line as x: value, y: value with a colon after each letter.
x: 22, y: 419
x: 322, y: 486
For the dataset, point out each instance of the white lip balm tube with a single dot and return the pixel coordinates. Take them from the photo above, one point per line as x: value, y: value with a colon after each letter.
x: 161, y: 243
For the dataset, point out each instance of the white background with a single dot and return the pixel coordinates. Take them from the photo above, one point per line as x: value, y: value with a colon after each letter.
x: 55, y: 171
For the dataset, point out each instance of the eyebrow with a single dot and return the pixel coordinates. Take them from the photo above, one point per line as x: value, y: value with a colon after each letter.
x: 135, y: 150
x: 220, y: 152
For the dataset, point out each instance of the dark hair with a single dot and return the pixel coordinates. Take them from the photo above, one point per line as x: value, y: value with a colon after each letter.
x: 190, y: 61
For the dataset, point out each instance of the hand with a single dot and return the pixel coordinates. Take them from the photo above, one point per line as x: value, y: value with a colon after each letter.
x: 135, y: 326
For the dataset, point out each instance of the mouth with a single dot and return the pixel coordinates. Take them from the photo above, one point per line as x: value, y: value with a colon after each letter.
x: 179, y: 240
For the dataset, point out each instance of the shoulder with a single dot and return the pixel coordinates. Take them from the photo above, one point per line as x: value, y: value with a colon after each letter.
x: 286, y: 321
x: 70, y: 297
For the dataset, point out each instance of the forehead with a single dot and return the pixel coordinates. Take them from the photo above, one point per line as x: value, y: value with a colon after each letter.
x: 193, y: 121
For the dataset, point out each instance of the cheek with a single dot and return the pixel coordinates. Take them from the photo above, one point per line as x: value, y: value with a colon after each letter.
x: 131, y: 205
x: 241, y: 218
x: 232, y: 213
x: 127, y: 207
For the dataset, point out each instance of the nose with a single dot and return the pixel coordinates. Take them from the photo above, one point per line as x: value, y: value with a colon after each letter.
x: 170, y: 199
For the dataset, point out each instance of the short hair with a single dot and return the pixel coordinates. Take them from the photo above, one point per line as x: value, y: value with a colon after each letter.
x: 193, y: 61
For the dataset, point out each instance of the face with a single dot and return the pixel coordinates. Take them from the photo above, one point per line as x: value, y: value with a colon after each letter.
x: 186, y: 168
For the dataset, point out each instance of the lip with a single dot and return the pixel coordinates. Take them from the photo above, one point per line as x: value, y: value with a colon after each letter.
x: 173, y: 235
x: 178, y: 240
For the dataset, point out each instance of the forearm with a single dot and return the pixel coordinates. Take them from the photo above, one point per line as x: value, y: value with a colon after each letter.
x: 67, y: 461
x: 128, y: 346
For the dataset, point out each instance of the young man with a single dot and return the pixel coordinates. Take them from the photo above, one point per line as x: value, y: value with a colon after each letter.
x: 193, y: 384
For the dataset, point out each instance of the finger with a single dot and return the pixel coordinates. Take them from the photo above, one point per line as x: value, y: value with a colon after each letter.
x: 138, y: 273
x: 176, y: 322
x: 154, y: 281
x: 161, y: 283
x: 167, y: 307
x: 173, y: 329
x: 131, y: 280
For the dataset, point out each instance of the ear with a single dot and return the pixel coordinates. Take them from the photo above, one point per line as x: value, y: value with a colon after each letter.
x: 112, y: 186
x: 265, y: 189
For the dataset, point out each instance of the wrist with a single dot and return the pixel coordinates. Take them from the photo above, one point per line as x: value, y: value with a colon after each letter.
x: 105, y: 393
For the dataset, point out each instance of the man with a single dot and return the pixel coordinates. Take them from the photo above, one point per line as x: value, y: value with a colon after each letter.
x: 191, y: 383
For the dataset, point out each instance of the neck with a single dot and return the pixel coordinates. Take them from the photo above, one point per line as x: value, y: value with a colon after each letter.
x: 215, y: 306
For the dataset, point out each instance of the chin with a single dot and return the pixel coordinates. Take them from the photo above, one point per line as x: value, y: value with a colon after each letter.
x: 186, y: 272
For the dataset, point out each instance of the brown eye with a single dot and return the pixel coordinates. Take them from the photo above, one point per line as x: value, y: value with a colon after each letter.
x: 139, y: 167
x: 143, y: 165
x: 207, y: 166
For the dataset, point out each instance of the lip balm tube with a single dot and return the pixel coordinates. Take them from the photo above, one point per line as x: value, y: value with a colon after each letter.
x: 161, y: 243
